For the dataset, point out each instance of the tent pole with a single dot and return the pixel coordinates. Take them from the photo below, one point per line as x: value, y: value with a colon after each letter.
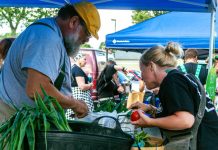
x: 212, y: 33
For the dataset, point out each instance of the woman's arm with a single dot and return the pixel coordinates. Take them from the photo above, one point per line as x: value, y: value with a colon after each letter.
x: 178, y: 121
x: 120, y: 88
x: 82, y: 85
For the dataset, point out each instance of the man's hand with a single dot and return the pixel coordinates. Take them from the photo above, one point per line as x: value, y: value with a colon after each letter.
x: 80, y: 108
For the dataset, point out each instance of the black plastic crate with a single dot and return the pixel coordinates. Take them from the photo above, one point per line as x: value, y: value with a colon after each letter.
x: 85, y: 136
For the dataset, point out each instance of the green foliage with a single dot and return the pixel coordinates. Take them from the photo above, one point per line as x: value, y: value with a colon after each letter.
x: 110, y: 105
x: 22, y: 17
x: 141, y: 15
x: 140, y: 136
x: 47, y: 113
x: 102, y: 45
x: 8, y: 35
x: 86, y: 45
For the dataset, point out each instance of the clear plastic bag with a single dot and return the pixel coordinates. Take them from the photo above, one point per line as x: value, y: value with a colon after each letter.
x: 105, y: 122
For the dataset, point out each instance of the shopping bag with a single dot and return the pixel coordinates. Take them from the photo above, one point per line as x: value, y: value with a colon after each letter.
x: 134, y: 97
x: 211, y: 83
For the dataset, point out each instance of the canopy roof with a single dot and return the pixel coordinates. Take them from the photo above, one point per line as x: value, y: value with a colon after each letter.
x: 169, y: 5
x: 191, y: 29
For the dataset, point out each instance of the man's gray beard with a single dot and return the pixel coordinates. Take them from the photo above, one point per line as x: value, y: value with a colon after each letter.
x: 73, y: 51
x: 71, y: 45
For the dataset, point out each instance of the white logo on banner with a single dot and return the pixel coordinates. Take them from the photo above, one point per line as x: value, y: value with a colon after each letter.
x: 120, y: 41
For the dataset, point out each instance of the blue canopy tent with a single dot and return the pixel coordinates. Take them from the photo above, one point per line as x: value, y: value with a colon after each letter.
x: 168, y: 5
x: 191, y: 29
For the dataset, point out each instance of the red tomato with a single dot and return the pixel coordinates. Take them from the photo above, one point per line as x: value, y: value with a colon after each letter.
x: 135, y: 116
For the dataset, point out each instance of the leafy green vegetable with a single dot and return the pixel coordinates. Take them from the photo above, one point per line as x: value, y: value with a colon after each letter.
x: 28, y: 119
x: 110, y: 105
x: 141, y: 137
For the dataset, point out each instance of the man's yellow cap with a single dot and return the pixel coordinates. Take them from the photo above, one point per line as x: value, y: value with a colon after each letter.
x: 89, y: 13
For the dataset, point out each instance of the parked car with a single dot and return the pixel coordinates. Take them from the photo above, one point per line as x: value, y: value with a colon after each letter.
x: 96, y: 61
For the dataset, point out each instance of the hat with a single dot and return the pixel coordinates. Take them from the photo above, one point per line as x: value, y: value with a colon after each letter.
x: 89, y: 13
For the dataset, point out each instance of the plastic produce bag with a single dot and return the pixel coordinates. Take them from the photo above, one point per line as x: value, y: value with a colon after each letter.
x: 105, y: 122
x: 211, y: 83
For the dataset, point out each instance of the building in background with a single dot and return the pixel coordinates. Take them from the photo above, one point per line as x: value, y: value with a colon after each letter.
x: 130, y: 60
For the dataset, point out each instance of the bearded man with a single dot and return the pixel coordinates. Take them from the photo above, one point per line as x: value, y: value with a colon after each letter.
x: 40, y: 57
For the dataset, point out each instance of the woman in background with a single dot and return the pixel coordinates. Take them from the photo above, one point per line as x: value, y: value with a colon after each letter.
x: 5, y: 44
x: 108, y: 84
x: 80, y: 86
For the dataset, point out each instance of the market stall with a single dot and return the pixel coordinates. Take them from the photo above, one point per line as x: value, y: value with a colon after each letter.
x: 45, y: 125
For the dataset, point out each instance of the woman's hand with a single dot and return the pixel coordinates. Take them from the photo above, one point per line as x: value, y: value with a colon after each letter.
x: 143, y: 121
x: 90, y: 84
x: 139, y: 105
x: 120, y: 89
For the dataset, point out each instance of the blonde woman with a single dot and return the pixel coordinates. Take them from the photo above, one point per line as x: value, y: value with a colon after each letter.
x: 179, y: 96
x: 79, y: 84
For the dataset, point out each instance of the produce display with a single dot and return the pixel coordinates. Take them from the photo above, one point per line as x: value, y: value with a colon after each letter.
x: 111, y: 105
x: 48, y: 114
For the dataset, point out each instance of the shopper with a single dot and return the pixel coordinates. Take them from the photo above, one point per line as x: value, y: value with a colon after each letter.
x: 81, y: 86
x: 5, y: 44
x: 191, y: 65
x: 179, y: 96
x: 108, y: 82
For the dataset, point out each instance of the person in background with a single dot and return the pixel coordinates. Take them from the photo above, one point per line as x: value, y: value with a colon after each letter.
x: 80, y: 85
x: 216, y: 67
x: 216, y: 63
x: 39, y: 56
x: 108, y: 83
x: 5, y: 44
x: 191, y: 65
x: 178, y: 96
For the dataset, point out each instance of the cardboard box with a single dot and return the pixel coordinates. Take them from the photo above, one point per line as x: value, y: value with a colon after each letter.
x: 153, y: 141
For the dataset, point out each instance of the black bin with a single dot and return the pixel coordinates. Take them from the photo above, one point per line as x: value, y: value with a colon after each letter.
x: 85, y: 136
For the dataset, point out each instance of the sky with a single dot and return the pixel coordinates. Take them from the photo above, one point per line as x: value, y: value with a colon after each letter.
x: 108, y: 18
x: 122, y: 17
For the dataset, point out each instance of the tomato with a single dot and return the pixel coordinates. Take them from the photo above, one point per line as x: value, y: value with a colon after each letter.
x: 135, y: 116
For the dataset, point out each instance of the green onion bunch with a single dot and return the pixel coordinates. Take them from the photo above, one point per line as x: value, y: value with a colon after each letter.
x: 110, y: 105
x: 47, y: 115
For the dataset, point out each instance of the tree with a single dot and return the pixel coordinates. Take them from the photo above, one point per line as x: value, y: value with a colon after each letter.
x: 139, y: 15
x: 22, y: 17
x: 86, y: 45
x: 102, y: 45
